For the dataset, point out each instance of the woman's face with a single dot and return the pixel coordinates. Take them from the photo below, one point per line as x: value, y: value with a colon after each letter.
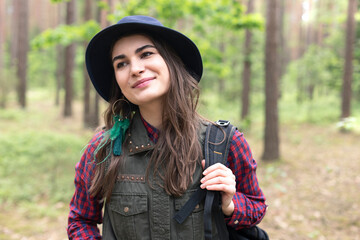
x: 140, y: 71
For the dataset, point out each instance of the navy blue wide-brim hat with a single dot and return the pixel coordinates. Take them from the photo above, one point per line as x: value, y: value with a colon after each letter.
x: 98, y: 55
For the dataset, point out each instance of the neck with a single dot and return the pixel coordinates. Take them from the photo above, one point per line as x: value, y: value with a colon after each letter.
x: 152, y: 115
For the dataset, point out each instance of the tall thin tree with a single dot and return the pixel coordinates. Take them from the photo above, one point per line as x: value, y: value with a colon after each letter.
x: 60, y: 58
x: 88, y: 122
x: 294, y: 28
x: 271, y: 140
x: 246, y: 74
x: 22, y: 50
x: 2, y: 53
x: 69, y: 61
x: 348, y: 65
x: 282, y: 48
x: 102, y: 19
x: 14, y: 34
x: 2, y: 32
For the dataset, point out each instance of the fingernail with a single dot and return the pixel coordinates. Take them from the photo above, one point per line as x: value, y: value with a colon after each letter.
x: 202, y: 186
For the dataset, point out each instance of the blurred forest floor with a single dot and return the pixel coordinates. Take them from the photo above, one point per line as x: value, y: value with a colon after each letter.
x: 312, y: 192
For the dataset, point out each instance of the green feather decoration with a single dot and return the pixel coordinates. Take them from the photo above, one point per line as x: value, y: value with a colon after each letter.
x: 117, y: 133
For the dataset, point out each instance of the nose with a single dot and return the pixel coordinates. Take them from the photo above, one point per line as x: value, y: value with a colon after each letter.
x: 137, y: 67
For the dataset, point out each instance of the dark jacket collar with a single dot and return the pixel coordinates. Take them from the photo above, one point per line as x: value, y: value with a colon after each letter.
x: 137, y: 136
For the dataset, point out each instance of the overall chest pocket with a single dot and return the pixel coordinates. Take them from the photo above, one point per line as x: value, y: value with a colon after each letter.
x: 193, y: 226
x: 129, y: 216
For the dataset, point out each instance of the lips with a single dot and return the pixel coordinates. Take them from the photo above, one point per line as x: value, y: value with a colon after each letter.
x: 142, y: 82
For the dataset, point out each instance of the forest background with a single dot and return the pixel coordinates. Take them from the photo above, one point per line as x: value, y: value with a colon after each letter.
x: 286, y: 72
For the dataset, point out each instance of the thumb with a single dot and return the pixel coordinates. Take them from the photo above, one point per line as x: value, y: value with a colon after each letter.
x: 203, y: 164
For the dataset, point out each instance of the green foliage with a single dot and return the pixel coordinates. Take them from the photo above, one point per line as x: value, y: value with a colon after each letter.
x: 198, y: 18
x: 8, y: 78
x: 7, y: 84
x: 215, y: 106
x: 346, y: 124
x: 65, y: 35
x: 103, y: 5
x: 234, y: 19
x: 41, y: 61
x: 36, y: 164
x: 209, y: 18
x: 318, y: 70
x: 292, y: 112
x: 225, y: 13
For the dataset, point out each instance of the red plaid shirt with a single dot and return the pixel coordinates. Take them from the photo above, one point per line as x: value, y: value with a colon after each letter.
x: 85, y: 211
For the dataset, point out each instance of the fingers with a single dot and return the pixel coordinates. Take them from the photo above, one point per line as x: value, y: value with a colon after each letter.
x: 218, y: 181
x: 218, y: 169
x: 219, y: 178
x: 215, y: 167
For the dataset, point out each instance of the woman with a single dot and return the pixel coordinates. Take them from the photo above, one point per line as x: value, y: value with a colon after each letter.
x: 147, y: 161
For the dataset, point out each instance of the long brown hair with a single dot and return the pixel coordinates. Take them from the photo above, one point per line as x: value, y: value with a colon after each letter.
x: 178, y: 149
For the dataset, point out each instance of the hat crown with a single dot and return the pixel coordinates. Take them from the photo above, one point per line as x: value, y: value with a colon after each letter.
x: 140, y: 19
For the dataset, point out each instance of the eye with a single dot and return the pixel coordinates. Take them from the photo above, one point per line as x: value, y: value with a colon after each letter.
x: 120, y: 65
x: 146, y: 54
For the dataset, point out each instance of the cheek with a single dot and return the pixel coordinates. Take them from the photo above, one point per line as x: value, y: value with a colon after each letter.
x: 166, y: 73
x: 121, y: 80
x: 167, y: 76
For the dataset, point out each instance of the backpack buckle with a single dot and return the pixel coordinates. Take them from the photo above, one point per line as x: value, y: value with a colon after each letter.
x: 223, y: 123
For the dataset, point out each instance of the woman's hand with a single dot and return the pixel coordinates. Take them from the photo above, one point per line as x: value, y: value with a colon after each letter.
x: 220, y: 178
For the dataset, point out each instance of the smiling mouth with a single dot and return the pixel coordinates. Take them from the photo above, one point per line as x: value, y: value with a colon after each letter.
x: 143, y: 82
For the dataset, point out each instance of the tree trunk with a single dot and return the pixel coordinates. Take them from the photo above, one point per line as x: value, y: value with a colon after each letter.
x: 281, y: 43
x: 301, y: 50
x: 3, y: 85
x: 2, y: 32
x: 348, y: 65
x: 14, y: 33
x: 87, y: 115
x: 320, y: 25
x: 271, y: 141
x: 295, y: 29
x: 59, y: 74
x: 246, y: 75
x: 310, y: 40
x: 60, y: 60
x: 22, y: 51
x: 310, y: 28
x: 101, y: 17
x: 97, y: 110
x: 69, y: 61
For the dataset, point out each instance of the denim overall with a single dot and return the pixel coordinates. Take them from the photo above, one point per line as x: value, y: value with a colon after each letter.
x: 139, y: 209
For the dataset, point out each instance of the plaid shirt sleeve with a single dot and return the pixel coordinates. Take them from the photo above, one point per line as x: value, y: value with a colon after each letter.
x: 85, y: 211
x: 249, y: 200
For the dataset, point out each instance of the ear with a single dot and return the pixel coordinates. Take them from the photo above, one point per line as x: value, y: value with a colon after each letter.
x: 203, y: 164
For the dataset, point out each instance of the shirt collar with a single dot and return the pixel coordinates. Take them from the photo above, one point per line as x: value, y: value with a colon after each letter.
x: 152, y: 132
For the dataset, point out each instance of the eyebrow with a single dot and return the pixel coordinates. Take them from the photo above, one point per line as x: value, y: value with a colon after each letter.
x: 121, y: 56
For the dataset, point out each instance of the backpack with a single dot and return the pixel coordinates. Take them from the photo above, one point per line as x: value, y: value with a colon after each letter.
x: 216, y: 148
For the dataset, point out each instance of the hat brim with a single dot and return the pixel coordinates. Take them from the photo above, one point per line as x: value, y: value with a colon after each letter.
x: 98, y: 56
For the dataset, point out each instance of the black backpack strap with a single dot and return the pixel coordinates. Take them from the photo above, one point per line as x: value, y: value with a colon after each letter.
x: 216, y: 149
x: 217, y: 145
x: 217, y: 142
x: 190, y: 205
